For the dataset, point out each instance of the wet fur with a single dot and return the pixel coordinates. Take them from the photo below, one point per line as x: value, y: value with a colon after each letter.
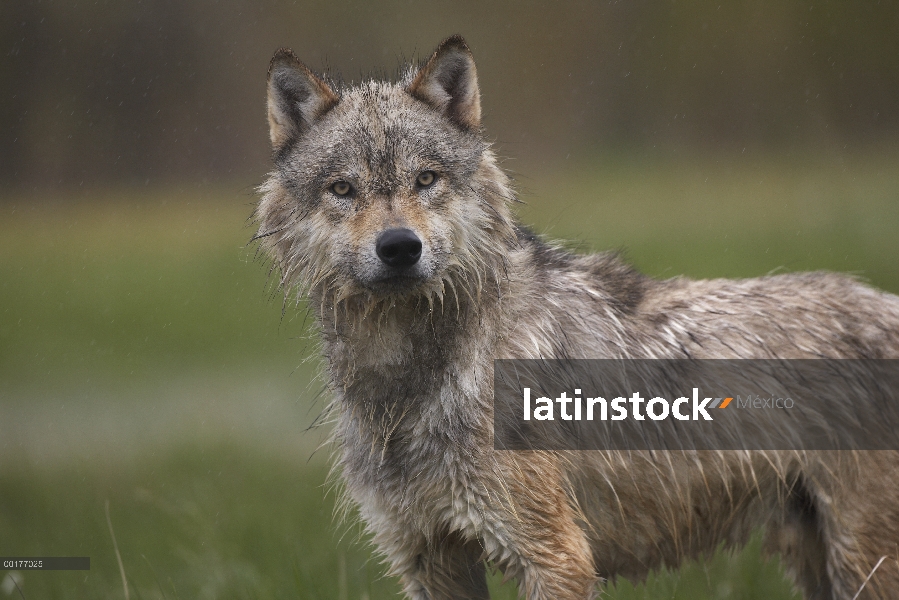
x: 409, y: 362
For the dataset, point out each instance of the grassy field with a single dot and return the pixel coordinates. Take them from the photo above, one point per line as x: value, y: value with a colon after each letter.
x: 145, y: 362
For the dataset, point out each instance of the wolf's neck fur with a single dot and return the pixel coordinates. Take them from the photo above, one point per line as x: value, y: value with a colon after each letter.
x: 407, y: 364
x: 392, y: 337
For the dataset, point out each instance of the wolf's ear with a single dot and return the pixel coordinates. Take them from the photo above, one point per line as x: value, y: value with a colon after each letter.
x: 297, y: 98
x: 449, y: 83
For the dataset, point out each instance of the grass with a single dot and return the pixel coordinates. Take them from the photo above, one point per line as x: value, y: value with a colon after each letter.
x: 198, y: 522
x: 145, y: 361
x: 730, y: 216
x: 225, y: 521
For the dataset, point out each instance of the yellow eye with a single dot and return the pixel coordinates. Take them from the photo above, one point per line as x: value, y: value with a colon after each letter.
x: 426, y: 178
x: 342, y: 188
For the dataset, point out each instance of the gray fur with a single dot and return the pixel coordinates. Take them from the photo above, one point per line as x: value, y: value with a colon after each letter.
x: 409, y: 361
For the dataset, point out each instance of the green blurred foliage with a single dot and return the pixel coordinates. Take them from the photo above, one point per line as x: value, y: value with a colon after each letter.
x: 135, y: 288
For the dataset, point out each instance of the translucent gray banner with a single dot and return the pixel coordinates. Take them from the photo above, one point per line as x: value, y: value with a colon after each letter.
x: 696, y: 404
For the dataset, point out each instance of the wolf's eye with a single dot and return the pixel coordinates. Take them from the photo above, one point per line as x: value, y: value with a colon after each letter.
x: 426, y: 178
x: 342, y: 188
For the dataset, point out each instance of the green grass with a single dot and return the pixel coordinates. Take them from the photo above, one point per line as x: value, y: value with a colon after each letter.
x: 145, y: 361
x: 131, y: 287
x: 217, y: 521
x: 224, y: 521
x: 730, y: 217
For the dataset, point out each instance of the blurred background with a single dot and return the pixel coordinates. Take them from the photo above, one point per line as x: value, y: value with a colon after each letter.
x: 149, y: 365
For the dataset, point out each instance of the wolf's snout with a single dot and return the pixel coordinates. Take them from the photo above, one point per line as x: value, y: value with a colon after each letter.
x: 398, y: 248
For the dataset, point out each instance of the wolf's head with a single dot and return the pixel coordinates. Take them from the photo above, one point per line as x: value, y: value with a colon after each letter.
x: 383, y: 191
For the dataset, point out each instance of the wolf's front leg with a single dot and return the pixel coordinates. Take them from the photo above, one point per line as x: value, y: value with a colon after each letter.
x: 553, y: 564
x: 445, y: 569
x: 433, y: 562
x: 531, y: 529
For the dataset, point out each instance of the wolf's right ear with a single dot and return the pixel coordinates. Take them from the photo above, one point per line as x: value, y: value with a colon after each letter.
x: 449, y: 83
x: 297, y: 98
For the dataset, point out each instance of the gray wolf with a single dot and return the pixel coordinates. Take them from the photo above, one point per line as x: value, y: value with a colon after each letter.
x: 388, y: 210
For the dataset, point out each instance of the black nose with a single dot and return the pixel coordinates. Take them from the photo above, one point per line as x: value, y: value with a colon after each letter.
x: 398, y: 248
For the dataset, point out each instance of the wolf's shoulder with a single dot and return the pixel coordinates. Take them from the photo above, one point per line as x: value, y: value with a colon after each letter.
x: 606, y: 275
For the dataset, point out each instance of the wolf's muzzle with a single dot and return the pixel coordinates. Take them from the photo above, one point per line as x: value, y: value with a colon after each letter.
x: 398, y: 248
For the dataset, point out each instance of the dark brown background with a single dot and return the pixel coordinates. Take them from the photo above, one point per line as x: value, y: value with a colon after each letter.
x: 170, y: 90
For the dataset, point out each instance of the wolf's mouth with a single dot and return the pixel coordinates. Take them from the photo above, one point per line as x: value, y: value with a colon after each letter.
x: 398, y: 282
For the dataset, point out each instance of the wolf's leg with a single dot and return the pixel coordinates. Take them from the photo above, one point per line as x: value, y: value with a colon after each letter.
x: 446, y: 569
x: 797, y: 540
x: 533, y: 534
x: 548, y: 555
x: 548, y: 567
x: 864, y: 557
x: 557, y: 566
x: 859, y: 523
x: 433, y: 561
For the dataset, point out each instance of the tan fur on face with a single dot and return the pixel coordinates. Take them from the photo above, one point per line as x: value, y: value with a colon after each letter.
x: 411, y: 364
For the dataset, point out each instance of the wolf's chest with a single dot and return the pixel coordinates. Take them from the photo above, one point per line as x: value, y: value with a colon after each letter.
x: 414, y: 432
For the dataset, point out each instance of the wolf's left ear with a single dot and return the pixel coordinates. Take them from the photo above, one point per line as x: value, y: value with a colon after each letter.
x: 297, y: 98
x: 449, y: 83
